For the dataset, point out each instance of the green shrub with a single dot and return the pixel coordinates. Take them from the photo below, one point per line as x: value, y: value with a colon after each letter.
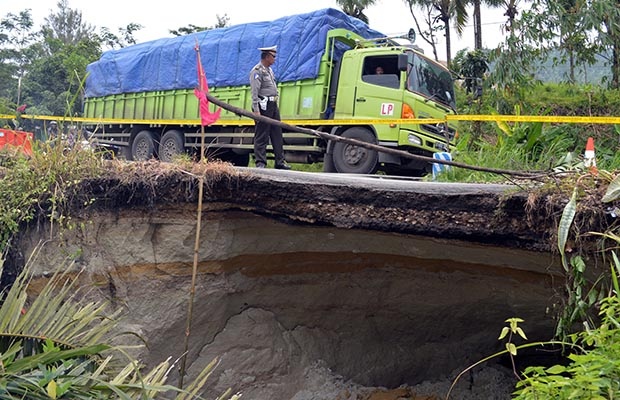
x: 40, y: 182
x: 591, y: 374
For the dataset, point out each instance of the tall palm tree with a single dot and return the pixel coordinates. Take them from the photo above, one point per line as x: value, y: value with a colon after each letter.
x: 355, y: 8
x: 448, y: 10
x: 478, y: 19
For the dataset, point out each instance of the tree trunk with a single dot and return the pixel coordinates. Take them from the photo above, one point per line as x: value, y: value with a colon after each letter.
x: 477, y: 26
x: 448, y: 45
x: 615, y: 68
x: 571, y: 66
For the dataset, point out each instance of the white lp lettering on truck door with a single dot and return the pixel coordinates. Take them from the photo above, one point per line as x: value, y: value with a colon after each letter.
x: 387, y: 109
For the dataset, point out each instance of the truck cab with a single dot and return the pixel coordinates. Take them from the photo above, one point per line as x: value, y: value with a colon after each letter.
x: 392, y: 83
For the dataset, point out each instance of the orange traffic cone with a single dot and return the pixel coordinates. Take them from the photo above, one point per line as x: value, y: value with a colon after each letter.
x: 589, y: 158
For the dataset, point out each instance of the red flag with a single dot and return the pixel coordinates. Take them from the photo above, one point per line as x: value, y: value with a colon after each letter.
x: 206, y: 117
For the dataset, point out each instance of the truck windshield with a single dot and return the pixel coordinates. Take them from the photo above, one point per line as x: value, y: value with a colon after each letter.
x: 431, y: 80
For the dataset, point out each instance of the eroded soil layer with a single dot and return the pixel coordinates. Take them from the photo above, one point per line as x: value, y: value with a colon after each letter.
x: 297, y: 311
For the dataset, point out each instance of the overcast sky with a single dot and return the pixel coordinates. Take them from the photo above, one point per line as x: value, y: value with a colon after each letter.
x: 391, y: 17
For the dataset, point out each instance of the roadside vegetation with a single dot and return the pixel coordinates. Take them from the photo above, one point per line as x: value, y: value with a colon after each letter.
x: 535, y: 146
x: 588, y: 329
x: 55, y: 346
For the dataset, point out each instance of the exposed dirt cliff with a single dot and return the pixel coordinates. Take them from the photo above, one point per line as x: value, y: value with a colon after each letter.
x: 314, y: 287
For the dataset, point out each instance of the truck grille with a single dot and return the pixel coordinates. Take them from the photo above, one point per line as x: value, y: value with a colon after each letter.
x: 435, y: 130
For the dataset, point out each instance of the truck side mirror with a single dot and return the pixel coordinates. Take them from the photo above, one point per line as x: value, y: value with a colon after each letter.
x: 411, y: 35
x: 403, y: 59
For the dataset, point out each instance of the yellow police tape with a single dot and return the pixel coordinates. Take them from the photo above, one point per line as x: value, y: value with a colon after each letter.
x: 536, y: 118
x: 315, y: 122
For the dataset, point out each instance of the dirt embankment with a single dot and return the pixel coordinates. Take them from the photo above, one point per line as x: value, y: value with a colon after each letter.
x: 315, y: 287
x: 514, y: 216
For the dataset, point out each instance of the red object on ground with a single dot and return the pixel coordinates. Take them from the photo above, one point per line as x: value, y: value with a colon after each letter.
x: 20, y: 139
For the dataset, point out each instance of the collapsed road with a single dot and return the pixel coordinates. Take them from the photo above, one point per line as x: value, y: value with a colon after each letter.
x: 315, y: 286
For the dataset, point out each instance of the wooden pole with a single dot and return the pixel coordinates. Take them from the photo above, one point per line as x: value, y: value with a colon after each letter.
x: 192, y: 290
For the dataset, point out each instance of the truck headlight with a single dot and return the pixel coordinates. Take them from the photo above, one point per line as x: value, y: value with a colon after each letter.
x: 413, y: 139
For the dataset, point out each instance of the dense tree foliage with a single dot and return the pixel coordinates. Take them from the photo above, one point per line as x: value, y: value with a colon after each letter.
x: 66, y: 25
x: 124, y: 37
x: 18, y: 49
x: 603, y: 18
x: 43, y: 69
x: 574, y: 33
x: 222, y: 22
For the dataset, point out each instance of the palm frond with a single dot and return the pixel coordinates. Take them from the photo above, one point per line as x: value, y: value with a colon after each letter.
x: 54, y: 313
x: 53, y: 345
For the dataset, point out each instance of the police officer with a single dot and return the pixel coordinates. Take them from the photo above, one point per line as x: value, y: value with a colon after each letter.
x: 265, y: 102
x: 52, y: 130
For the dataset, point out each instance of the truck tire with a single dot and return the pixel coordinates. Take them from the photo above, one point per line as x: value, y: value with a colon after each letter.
x: 124, y: 153
x: 328, y: 163
x: 171, y: 145
x: 351, y: 159
x: 143, y: 146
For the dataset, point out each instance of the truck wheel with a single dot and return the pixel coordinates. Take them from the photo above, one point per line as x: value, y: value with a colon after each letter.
x: 328, y: 163
x: 351, y: 159
x: 124, y: 153
x: 171, y: 145
x: 143, y: 146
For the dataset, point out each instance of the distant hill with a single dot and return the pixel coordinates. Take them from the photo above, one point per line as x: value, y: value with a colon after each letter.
x: 588, y: 74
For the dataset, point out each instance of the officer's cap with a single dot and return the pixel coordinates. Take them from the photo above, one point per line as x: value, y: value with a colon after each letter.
x: 272, y: 49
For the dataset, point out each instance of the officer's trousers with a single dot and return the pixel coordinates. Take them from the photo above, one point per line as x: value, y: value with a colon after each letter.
x: 265, y: 132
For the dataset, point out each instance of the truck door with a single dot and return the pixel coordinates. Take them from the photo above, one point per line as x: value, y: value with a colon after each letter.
x: 379, y: 93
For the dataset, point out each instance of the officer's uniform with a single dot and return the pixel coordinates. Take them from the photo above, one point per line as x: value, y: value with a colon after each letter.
x: 265, y: 100
x: 52, y: 130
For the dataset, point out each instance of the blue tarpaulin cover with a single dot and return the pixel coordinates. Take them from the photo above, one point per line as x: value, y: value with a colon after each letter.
x: 228, y: 55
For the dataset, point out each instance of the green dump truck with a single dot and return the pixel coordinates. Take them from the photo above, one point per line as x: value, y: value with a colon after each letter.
x: 143, y: 95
